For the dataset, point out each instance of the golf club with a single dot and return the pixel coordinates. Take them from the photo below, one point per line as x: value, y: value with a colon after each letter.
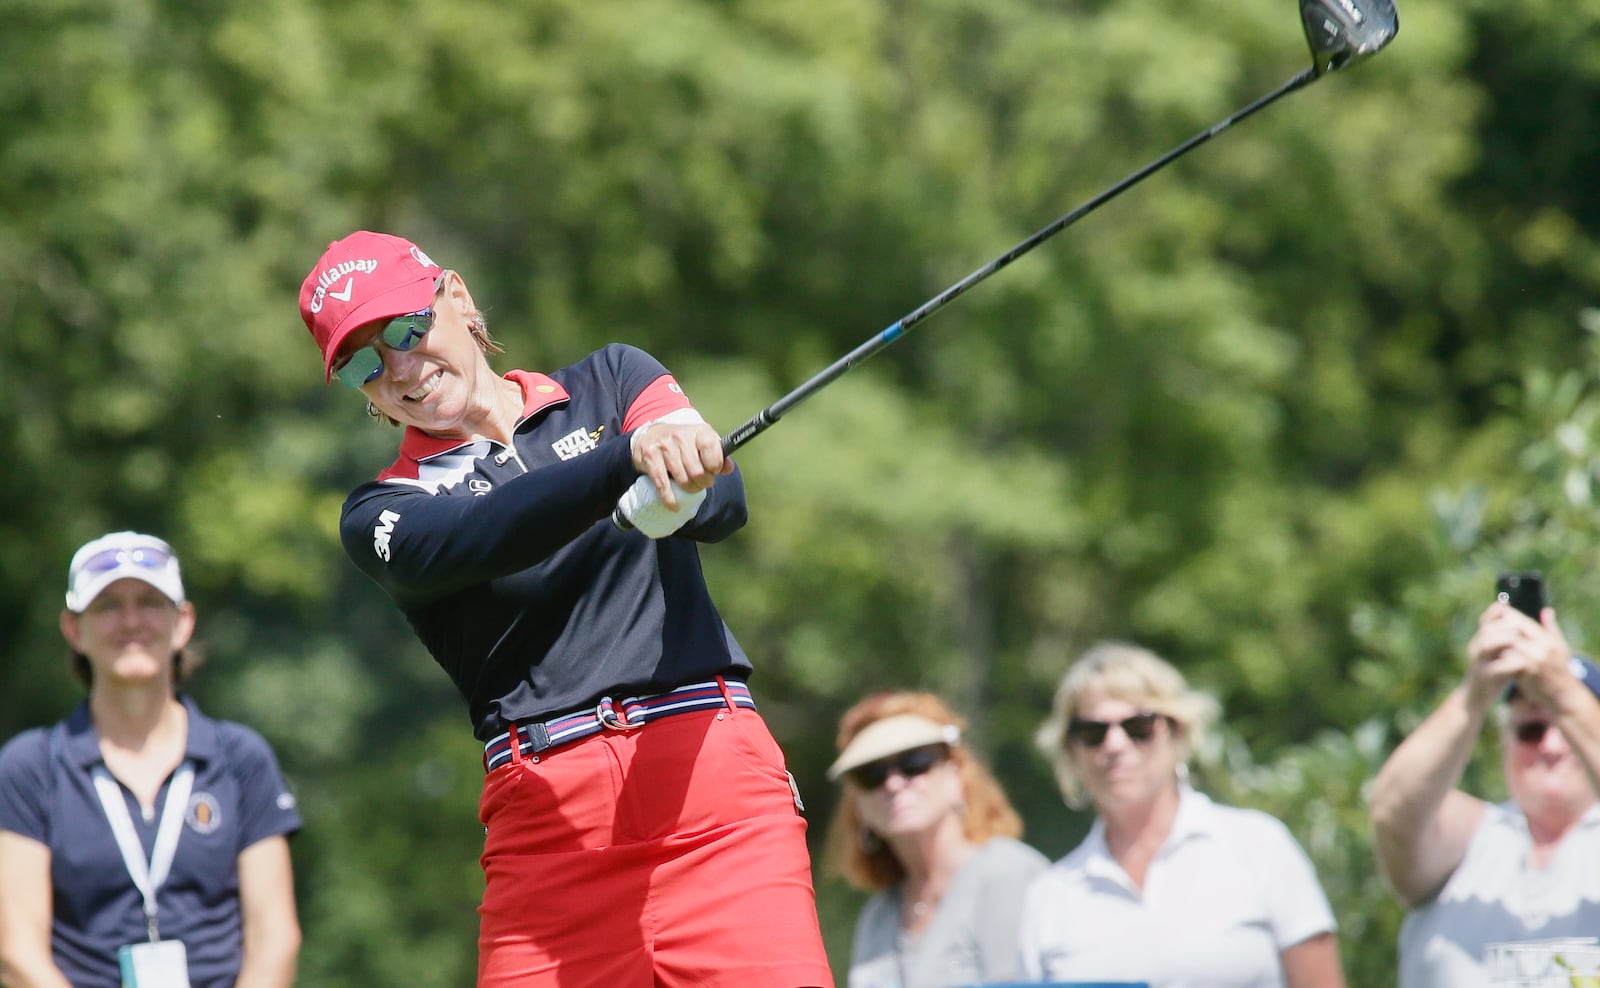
x: 1340, y: 33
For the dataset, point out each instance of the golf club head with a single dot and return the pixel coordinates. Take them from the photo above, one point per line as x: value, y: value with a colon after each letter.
x: 1344, y: 31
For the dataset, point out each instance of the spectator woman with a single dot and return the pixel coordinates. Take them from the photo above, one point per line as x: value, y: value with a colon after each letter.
x: 926, y: 829
x: 139, y: 835
x: 1168, y: 888
x: 1470, y: 872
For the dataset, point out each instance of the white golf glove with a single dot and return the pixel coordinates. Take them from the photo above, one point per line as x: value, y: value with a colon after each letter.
x: 642, y: 506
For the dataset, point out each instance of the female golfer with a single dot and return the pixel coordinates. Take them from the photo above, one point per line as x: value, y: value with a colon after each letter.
x: 642, y: 826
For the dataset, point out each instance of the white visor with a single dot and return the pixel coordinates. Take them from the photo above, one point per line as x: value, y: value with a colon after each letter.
x: 890, y: 736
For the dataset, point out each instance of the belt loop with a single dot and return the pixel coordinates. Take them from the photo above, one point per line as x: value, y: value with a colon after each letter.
x: 516, y: 743
x: 722, y: 684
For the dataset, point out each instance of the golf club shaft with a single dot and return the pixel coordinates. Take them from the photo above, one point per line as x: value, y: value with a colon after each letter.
x: 772, y: 413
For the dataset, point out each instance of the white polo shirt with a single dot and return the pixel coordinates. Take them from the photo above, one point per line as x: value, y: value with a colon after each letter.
x: 1226, y: 893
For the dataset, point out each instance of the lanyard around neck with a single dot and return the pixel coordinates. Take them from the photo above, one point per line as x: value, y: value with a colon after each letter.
x: 147, y: 875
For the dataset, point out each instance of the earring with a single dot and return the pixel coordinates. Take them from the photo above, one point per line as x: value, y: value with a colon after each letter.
x: 871, y: 843
x: 1182, y: 773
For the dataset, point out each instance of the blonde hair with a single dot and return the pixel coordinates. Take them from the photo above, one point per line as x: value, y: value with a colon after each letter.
x: 870, y: 865
x: 1127, y: 672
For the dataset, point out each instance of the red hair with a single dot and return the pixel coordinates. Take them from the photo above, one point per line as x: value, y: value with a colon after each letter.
x: 871, y: 865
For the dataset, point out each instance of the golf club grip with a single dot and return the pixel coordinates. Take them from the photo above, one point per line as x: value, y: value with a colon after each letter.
x: 746, y: 432
x: 730, y: 442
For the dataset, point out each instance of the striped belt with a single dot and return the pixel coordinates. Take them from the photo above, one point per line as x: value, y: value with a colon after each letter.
x: 617, y: 715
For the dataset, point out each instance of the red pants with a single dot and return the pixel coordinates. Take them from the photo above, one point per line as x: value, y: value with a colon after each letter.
x: 673, y: 855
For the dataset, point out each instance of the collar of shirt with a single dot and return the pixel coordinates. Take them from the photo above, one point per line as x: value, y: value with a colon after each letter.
x: 82, y: 745
x: 1192, y: 822
x: 539, y: 391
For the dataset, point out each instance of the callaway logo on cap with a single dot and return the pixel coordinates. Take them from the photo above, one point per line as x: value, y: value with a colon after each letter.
x: 361, y: 279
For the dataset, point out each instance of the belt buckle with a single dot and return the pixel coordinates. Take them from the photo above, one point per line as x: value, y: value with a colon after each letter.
x: 607, y: 713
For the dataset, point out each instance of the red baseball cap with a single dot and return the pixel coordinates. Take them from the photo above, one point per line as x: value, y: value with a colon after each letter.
x: 364, y: 278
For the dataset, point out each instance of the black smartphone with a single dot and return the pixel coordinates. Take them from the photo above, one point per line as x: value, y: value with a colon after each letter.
x: 1524, y: 591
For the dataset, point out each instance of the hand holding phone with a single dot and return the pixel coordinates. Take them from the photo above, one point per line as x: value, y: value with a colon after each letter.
x: 1524, y: 591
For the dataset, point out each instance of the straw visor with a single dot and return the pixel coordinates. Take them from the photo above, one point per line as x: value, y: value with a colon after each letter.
x: 890, y: 736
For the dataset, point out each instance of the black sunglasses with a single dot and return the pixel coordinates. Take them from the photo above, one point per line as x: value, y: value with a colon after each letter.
x: 1531, y: 731
x: 909, y: 764
x: 1092, y: 733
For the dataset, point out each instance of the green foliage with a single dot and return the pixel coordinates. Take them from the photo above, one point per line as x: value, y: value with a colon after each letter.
x: 1281, y: 413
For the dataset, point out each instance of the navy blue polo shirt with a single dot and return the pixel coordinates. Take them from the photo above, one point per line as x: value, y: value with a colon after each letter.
x: 47, y: 793
x: 506, y: 563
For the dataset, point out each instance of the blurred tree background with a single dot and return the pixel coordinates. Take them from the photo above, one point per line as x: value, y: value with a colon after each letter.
x: 1281, y: 413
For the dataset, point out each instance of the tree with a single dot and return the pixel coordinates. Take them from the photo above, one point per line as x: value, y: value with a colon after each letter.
x: 1226, y: 416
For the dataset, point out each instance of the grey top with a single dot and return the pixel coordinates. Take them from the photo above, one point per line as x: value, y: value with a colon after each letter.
x: 1495, y: 896
x: 972, y: 938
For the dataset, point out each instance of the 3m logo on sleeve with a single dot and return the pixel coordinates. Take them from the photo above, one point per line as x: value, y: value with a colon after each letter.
x: 381, y: 533
x: 577, y: 442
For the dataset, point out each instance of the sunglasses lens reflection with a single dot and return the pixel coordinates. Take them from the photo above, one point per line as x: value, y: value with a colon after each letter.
x: 363, y: 367
x: 402, y: 333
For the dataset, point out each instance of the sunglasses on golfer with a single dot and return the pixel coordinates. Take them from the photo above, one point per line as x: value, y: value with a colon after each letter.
x: 1092, y: 733
x: 908, y: 764
x: 1531, y: 731
x: 402, y: 333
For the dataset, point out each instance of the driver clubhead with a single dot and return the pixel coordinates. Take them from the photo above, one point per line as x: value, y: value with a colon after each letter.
x: 1344, y: 31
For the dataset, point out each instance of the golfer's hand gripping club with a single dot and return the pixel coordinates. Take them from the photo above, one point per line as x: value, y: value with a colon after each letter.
x: 640, y: 507
x: 686, y: 444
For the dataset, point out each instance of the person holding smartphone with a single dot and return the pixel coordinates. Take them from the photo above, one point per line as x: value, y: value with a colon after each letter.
x: 1474, y: 873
